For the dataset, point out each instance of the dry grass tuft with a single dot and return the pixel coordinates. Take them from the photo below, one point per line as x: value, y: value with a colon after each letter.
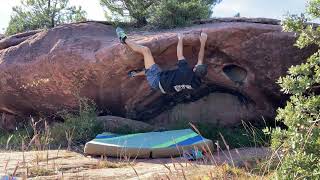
x: 40, y: 171
x: 108, y: 164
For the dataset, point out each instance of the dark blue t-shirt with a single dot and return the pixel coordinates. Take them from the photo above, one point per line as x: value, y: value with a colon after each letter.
x: 179, y: 79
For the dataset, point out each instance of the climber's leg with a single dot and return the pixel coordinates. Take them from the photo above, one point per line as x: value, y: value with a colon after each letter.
x: 152, y: 69
x: 145, y: 51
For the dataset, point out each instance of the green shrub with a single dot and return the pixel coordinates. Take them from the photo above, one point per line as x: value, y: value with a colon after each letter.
x: 78, y: 128
x: 120, y: 9
x: 81, y: 126
x: 38, y: 14
x: 245, y: 135
x: 172, y: 13
x: 161, y: 13
x: 13, y: 141
x: 299, y: 145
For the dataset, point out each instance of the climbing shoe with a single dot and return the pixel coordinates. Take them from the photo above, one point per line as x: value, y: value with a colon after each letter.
x: 121, y: 35
x: 133, y: 73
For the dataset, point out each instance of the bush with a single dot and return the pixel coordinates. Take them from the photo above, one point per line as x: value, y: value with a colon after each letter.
x: 245, y: 135
x: 300, y: 143
x: 14, y: 140
x: 172, y: 13
x: 78, y: 128
x: 38, y: 14
x: 119, y: 9
x: 162, y: 13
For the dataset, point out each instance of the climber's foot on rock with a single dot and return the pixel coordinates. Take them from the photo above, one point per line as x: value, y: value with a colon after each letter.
x: 121, y: 35
x: 134, y: 73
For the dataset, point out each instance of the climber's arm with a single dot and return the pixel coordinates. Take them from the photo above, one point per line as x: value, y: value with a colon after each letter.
x: 203, y: 40
x: 180, y: 47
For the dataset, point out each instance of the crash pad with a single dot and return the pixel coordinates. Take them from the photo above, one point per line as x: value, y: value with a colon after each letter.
x: 147, y: 145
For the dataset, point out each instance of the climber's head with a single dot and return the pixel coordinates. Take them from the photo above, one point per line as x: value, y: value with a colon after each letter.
x: 200, y: 70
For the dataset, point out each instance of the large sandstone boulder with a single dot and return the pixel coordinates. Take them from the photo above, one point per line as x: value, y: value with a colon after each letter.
x: 46, y: 70
x: 122, y: 125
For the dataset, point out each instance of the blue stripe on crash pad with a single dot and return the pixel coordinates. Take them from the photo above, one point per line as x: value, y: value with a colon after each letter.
x: 189, y: 141
x: 101, y: 136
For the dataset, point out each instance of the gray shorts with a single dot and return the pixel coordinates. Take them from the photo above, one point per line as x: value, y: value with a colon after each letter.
x: 153, y: 76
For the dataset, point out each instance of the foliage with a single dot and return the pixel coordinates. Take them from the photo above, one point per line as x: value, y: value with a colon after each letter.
x: 37, y: 14
x: 137, y: 9
x: 40, y: 171
x: 162, y: 13
x: 245, y: 135
x: 171, y: 13
x: 81, y: 126
x: 78, y: 128
x: 12, y: 140
x: 300, y: 143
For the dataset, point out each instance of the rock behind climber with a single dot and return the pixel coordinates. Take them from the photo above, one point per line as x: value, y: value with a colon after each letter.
x: 168, y: 81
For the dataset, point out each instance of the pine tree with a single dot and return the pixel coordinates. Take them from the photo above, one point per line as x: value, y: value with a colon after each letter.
x: 137, y: 9
x: 36, y: 14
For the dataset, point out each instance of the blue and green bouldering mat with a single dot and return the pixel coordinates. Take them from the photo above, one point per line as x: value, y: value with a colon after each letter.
x: 147, y: 145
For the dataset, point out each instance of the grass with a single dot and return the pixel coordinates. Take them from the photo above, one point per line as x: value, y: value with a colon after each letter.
x: 176, y: 169
x: 13, y: 140
x: 239, y: 173
x: 241, y: 136
x: 187, y: 170
x: 77, y: 128
x: 245, y: 135
x: 40, y: 171
x: 223, y: 171
x: 82, y: 126
x: 103, y: 164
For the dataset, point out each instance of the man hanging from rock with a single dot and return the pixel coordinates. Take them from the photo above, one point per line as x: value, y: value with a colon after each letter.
x: 169, y: 81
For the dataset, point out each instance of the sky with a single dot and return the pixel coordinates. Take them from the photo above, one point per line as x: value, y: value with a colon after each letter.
x: 227, y: 8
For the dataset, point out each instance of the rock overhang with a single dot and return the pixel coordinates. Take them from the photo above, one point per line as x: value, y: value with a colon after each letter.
x: 45, y: 71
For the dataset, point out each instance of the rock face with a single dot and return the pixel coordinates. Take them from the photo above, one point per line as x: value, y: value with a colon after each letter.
x: 123, y: 125
x: 48, y: 70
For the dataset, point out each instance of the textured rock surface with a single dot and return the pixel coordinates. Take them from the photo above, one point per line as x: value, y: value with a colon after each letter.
x: 123, y: 125
x: 7, y: 122
x: 47, y: 71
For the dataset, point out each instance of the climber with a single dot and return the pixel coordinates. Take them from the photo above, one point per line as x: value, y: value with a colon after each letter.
x: 169, y: 81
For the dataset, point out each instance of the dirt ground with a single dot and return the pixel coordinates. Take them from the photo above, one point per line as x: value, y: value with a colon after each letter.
x: 62, y: 164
